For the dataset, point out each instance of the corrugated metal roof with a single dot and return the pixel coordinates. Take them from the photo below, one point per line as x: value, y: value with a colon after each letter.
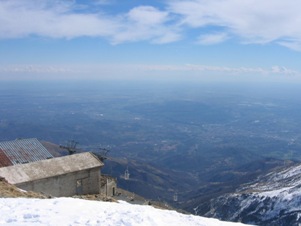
x: 4, y: 161
x: 24, y: 150
x: 49, y: 168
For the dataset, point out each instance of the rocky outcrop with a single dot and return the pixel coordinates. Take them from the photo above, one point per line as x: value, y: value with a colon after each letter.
x: 273, y: 199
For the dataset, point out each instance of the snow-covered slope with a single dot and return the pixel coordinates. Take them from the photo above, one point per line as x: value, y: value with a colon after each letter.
x: 70, y: 211
x: 273, y: 199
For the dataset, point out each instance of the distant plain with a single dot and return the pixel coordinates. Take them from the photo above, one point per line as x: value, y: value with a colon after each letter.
x: 202, y: 132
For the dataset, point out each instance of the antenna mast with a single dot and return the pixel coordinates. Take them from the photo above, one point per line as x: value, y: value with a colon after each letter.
x: 127, y: 174
x: 175, y: 197
x: 71, y: 147
x: 101, y: 154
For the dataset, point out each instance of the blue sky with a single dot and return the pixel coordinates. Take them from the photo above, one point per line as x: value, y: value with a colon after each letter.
x: 95, y: 39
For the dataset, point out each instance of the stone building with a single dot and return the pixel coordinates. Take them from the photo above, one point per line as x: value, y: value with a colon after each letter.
x: 108, y: 185
x: 70, y: 175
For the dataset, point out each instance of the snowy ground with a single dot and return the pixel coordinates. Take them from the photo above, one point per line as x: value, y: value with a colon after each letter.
x: 69, y: 211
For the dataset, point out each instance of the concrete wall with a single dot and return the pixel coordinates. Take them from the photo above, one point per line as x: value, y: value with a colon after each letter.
x: 76, y: 183
x: 109, y: 186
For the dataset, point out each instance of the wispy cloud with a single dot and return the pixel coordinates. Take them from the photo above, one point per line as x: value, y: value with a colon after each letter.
x: 40, y: 72
x: 57, y: 20
x: 230, y: 70
x: 34, y: 69
x: 252, y: 21
x: 145, y: 23
x: 30, y: 68
x: 62, y: 19
x: 291, y: 44
x: 211, y: 39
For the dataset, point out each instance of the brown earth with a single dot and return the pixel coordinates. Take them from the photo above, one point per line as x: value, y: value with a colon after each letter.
x: 10, y: 191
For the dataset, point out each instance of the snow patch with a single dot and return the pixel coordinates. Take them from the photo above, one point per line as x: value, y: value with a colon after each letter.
x: 70, y: 211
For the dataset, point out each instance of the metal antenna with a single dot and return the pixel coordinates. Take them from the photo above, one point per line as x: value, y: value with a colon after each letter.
x: 71, y: 147
x: 127, y: 174
x: 175, y: 197
x: 102, y: 153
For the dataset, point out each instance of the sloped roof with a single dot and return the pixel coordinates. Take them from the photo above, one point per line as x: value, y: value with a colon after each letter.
x: 49, y: 168
x: 4, y: 160
x: 22, y: 151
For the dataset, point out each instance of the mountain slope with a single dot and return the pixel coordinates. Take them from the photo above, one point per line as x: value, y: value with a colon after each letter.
x: 150, y: 181
x: 272, y: 199
x: 70, y: 211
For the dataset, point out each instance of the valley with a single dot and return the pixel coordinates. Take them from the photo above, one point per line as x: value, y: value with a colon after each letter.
x: 194, y: 139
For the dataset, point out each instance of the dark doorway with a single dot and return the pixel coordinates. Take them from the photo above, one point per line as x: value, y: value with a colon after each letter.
x: 79, y: 187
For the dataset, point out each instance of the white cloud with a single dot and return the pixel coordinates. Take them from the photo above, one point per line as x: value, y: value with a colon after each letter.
x: 30, y: 68
x: 211, y: 39
x: 168, y: 37
x: 254, y: 21
x: 35, y: 69
x: 294, y: 45
x: 141, y: 71
x: 145, y: 23
x: 251, y: 21
x: 282, y: 70
x: 232, y: 70
x: 62, y: 19
x: 147, y: 15
x: 23, y: 18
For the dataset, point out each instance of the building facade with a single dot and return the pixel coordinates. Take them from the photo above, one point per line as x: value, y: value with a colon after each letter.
x: 108, y: 185
x: 76, y: 174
